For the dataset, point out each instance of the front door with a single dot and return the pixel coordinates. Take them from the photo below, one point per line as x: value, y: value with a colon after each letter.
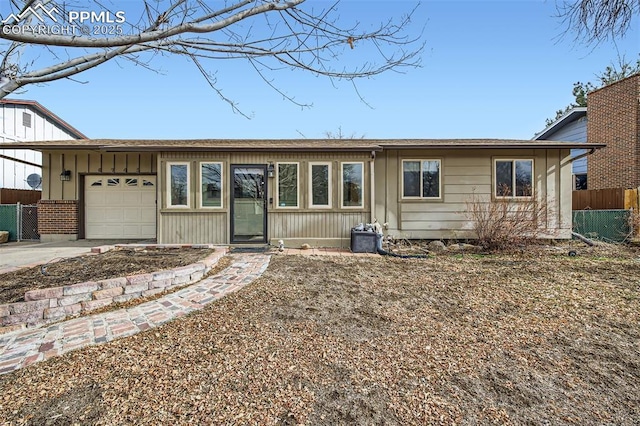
x: 248, y: 204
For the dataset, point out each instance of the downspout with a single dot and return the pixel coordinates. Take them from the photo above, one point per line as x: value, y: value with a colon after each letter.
x: 372, y: 186
x: 584, y: 154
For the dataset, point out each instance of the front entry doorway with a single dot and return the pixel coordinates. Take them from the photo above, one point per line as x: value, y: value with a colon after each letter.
x: 249, y: 204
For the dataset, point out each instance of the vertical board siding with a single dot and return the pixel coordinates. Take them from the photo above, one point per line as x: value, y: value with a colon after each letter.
x: 314, y: 225
x: 194, y: 228
x: 81, y: 162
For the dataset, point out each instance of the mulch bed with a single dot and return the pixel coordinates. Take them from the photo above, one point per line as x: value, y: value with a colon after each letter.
x: 533, y: 338
x: 112, y: 264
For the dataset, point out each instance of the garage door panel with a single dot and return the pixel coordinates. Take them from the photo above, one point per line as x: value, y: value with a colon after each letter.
x: 132, y: 215
x: 148, y: 198
x: 113, y: 215
x: 133, y: 197
x: 94, y: 199
x: 114, y: 198
x: 121, y: 207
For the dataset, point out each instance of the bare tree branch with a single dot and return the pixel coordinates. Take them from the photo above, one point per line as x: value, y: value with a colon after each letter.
x: 595, y: 21
x: 290, y: 35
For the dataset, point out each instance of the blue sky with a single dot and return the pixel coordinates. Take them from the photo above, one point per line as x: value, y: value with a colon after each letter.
x: 490, y: 69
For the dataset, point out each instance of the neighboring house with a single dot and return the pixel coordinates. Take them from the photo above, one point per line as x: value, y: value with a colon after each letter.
x: 614, y: 119
x: 21, y: 121
x: 300, y: 191
x: 571, y: 127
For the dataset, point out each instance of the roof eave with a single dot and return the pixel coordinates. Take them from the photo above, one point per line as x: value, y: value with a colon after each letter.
x: 560, y: 122
x: 562, y: 145
x: 230, y: 149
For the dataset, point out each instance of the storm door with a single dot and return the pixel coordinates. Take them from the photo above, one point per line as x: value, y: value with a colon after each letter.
x: 248, y: 204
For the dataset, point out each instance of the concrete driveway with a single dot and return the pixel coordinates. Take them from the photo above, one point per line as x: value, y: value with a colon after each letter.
x: 16, y: 255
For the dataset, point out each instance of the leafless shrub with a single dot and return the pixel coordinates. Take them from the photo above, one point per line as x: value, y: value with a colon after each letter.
x: 634, y: 225
x: 506, y: 222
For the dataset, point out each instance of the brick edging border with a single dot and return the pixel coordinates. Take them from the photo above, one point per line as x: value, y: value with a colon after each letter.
x: 44, y: 306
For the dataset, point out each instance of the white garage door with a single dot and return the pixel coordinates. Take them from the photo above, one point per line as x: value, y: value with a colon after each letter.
x: 120, y: 207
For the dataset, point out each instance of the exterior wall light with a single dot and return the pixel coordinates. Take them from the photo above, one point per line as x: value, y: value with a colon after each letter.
x: 271, y: 170
x: 65, y: 175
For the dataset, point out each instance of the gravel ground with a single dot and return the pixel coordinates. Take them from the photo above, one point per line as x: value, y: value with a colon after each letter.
x: 536, y: 338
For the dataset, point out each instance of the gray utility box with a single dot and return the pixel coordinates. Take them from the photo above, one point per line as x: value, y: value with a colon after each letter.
x: 364, y: 242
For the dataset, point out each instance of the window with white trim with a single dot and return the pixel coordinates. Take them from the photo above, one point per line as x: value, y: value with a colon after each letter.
x: 513, y: 178
x: 210, y: 185
x: 320, y: 185
x: 421, y: 178
x: 178, y: 185
x: 288, y: 178
x: 352, y: 184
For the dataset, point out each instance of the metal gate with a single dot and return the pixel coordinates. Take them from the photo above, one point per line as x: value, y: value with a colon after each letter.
x: 20, y: 220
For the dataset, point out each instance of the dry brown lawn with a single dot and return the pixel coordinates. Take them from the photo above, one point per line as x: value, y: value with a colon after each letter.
x: 535, y: 338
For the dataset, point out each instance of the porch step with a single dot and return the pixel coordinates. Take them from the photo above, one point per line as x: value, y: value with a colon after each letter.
x: 249, y: 248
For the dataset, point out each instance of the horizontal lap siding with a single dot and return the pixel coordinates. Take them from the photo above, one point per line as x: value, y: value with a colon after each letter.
x: 464, y: 173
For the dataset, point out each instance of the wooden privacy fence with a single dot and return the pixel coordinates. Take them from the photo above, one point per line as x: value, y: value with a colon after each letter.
x: 22, y: 196
x: 606, y: 199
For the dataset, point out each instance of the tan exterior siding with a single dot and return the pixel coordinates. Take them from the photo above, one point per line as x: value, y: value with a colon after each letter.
x: 332, y: 228
x: 304, y: 224
x: 194, y: 228
x: 463, y: 174
x: 82, y: 162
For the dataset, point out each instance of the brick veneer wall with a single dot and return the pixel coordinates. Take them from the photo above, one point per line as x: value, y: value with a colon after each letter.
x: 614, y: 119
x: 57, y: 217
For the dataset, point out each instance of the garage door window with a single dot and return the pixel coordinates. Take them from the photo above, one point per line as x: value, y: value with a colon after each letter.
x: 178, y: 185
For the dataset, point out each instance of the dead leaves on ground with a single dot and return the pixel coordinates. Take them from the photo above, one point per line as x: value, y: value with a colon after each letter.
x: 331, y: 340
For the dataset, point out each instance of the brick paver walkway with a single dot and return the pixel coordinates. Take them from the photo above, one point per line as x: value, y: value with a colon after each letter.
x: 26, y: 347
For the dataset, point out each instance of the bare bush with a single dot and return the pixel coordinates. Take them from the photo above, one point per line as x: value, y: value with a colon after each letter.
x: 506, y: 222
x: 634, y: 225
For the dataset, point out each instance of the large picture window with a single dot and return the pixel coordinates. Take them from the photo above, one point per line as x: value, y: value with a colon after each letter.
x: 178, y: 185
x: 352, y: 184
x: 513, y: 178
x: 320, y: 184
x: 210, y: 184
x: 421, y: 178
x: 287, y: 185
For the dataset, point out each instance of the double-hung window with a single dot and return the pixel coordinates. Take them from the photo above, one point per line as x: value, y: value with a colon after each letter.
x: 288, y: 178
x: 421, y: 179
x: 210, y: 185
x: 352, y: 185
x: 178, y: 185
x: 513, y: 178
x: 320, y: 185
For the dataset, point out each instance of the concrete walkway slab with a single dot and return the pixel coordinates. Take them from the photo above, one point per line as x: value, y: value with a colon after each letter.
x: 25, y: 347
